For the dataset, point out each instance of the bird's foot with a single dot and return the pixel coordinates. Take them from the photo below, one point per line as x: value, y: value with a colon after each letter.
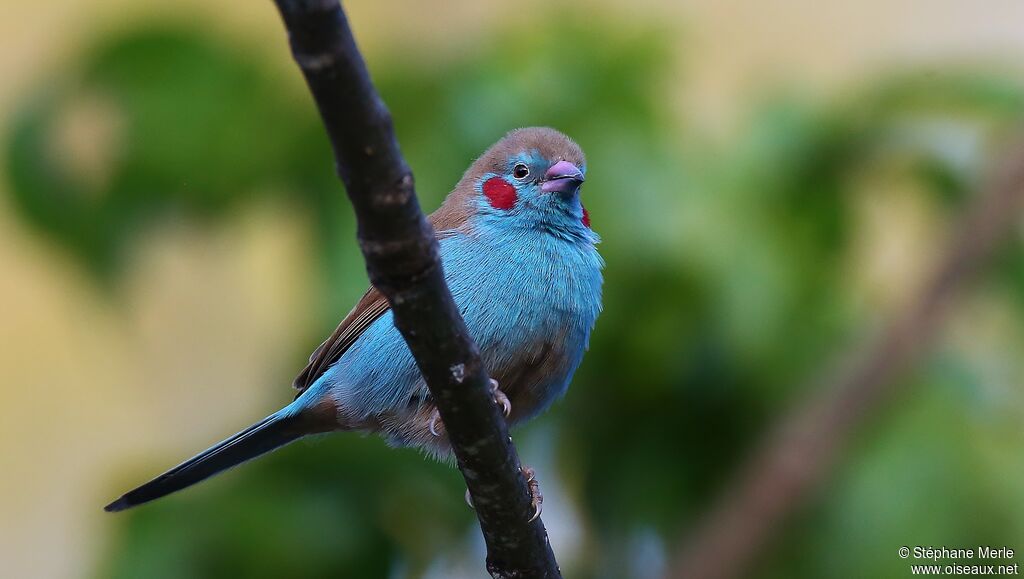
x: 501, y: 399
x: 536, y: 498
x: 435, y: 426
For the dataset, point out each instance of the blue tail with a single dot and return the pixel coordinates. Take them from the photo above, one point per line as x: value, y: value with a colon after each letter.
x: 272, y: 432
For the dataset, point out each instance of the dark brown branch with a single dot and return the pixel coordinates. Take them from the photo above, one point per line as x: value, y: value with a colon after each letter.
x: 794, y: 462
x: 403, y: 262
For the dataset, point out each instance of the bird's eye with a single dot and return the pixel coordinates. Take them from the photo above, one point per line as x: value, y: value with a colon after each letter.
x: 520, y: 171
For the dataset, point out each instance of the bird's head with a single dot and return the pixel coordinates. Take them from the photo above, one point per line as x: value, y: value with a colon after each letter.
x: 531, y: 178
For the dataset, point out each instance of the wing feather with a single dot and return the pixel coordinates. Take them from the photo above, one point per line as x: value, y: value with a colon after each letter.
x: 367, y: 310
x: 373, y: 304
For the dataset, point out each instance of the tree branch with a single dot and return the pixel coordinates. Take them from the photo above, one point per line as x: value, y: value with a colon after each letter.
x: 403, y: 263
x: 794, y: 462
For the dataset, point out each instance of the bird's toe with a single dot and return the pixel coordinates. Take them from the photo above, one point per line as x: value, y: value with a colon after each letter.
x: 536, y: 497
x: 435, y: 426
x: 501, y: 399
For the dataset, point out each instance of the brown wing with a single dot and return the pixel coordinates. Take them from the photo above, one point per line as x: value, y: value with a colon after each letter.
x: 370, y: 307
x: 373, y: 304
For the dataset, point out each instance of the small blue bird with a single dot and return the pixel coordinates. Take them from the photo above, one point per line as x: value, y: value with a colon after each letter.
x: 520, y: 259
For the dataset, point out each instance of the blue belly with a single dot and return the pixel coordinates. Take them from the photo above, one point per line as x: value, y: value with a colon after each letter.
x: 517, y: 295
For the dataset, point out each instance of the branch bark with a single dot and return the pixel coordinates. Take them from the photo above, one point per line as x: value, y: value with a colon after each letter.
x: 402, y: 258
x: 788, y: 469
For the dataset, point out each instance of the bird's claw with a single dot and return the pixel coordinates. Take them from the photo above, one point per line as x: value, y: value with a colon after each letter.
x: 536, y: 498
x: 435, y: 419
x: 435, y: 425
x: 501, y: 399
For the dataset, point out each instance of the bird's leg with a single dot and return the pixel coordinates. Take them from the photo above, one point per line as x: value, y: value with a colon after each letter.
x: 536, y: 498
x: 501, y: 399
x: 436, y: 427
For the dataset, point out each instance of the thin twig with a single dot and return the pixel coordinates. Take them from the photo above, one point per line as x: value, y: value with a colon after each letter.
x: 788, y: 469
x: 403, y: 263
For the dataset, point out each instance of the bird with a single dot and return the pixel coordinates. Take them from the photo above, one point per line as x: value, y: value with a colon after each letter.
x: 521, y: 262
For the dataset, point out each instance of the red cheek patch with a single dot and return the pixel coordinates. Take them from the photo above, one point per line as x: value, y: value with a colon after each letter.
x: 500, y: 193
x: 586, y: 216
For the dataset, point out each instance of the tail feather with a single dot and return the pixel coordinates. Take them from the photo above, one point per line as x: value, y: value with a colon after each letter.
x: 266, y: 435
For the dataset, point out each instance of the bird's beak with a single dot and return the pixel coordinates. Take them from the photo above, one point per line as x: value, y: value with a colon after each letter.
x: 562, y: 177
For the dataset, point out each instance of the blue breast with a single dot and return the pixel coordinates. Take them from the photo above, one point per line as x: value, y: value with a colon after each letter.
x: 517, y: 289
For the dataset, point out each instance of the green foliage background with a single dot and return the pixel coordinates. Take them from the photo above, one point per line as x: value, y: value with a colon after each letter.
x: 728, y: 290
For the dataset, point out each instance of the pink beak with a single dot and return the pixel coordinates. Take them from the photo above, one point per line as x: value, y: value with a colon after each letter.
x: 562, y: 177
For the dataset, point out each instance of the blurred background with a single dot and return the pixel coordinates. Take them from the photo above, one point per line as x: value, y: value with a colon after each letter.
x: 771, y: 182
